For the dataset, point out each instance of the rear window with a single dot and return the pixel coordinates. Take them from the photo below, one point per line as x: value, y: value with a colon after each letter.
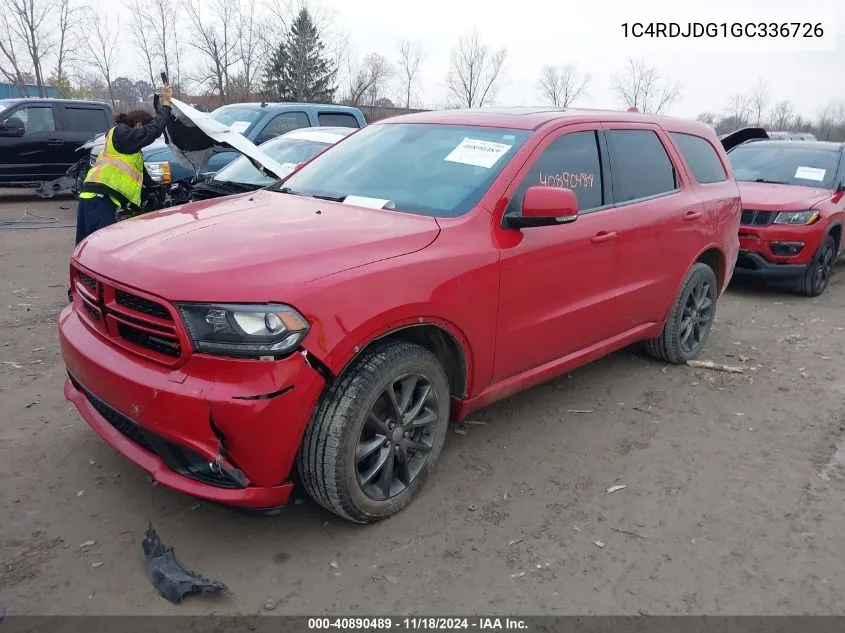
x: 88, y: 120
x: 641, y: 168
x: 784, y: 163
x: 701, y: 158
x: 337, y: 119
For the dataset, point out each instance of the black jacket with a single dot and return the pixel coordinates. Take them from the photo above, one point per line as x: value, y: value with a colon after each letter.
x: 130, y: 140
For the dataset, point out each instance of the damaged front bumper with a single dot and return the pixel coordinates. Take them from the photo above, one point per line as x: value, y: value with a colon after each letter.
x: 219, y: 429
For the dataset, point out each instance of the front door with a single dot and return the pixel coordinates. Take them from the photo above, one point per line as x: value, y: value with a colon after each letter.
x: 29, y: 158
x: 558, y: 293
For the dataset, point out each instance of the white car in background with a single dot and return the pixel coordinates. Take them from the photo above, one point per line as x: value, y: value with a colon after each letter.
x: 288, y: 150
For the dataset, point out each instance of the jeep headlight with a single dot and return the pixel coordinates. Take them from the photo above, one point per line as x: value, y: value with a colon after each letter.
x: 159, y: 172
x: 796, y: 217
x: 244, y: 331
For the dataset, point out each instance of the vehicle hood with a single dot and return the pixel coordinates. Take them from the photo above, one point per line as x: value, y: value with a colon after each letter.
x: 195, y: 137
x: 760, y: 196
x: 254, y: 247
x: 732, y: 139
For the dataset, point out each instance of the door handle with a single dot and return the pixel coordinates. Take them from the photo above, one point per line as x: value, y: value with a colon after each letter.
x: 54, y: 141
x: 603, y: 237
x: 689, y: 216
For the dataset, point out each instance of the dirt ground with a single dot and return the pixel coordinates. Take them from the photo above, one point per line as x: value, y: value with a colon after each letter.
x: 735, y: 497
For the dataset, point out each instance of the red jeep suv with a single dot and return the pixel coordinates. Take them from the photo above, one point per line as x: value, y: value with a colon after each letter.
x: 793, y: 209
x: 324, y: 330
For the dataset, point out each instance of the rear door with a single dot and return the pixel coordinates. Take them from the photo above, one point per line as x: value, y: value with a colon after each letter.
x: 656, y: 219
x: 81, y: 123
x: 32, y: 157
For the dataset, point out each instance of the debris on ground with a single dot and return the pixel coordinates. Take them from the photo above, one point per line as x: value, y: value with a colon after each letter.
x: 613, y: 489
x: 514, y: 542
x: 472, y: 507
x: 476, y: 422
x: 87, y: 544
x: 97, y: 564
x: 333, y: 564
x: 270, y: 605
x: 708, y: 364
x: 460, y: 431
x: 170, y: 580
x: 599, y: 544
x: 630, y: 533
x: 518, y: 574
x: 581, y: 411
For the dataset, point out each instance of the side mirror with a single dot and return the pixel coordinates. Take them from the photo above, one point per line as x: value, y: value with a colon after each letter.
x: 545, y: 206
x: 12, y: 128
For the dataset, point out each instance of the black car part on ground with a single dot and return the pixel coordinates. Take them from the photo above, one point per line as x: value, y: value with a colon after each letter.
x: 168, y: 577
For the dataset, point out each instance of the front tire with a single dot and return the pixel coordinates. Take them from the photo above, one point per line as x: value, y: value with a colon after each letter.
x: 690, y: 319
x: 817, y: 277
x: 377, y: 433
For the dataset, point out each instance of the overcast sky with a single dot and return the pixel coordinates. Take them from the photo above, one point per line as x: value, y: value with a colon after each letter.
x: 538, y: 32
x: 808, y: 72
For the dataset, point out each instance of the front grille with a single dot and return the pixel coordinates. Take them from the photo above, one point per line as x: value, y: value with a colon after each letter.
x: 139, y: 304
x: 758, y: 218
x: 139, y: 324
x: 158, y: 343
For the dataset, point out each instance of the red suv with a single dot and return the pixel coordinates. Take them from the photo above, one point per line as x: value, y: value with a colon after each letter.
x: 324, y: 330
x: 793, y: 208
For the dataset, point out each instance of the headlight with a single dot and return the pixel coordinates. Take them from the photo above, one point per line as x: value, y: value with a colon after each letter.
x: 796, y: 217
x: 160, y: 172
x: 244, y: 331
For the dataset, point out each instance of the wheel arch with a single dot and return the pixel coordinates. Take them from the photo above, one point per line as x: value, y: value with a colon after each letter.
x: 835, y: 231
x: 440, y: 337
x: 715, y: 258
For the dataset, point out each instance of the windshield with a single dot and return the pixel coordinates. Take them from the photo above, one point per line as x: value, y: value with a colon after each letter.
x: 239, y: 118
x: 3, y: 106
x: 785, y: 164
x: 288, y: 152
x: 438, y: 170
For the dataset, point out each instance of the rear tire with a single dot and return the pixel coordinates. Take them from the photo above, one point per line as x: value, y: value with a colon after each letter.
x: 690, y: 319
x: 366, y: 453
x: 817, y: 278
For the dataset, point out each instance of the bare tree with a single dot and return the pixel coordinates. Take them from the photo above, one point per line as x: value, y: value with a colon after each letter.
x: 368, y: 80
x: 782, y: 116
x: 475, y: 72
x: 12, y: 68
x: 562, y: 86
x: 32, y: 24
x: 215, y: 38
x: 69, y: 19
x: 644, y: 88
x: 410, y: 58
x: 831, y: 119
x: 163, y: 23
x: 759, y: 101
x: 250, y: 46
x: 142, y: 36
x: 740, y: 108
x: 102, y: 40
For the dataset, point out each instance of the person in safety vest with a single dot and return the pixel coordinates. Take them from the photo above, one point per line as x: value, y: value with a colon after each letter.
x: 116, y: 179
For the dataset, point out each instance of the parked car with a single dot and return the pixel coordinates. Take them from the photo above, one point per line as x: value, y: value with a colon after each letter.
x: 39, y: 137
x: 326, y: 329
x: 793, y: 209
x: 257, y: 122
x: 290, y: 149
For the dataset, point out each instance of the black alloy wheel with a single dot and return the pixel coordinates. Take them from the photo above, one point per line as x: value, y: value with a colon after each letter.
x: 397, y: 437
x: 697, y: 316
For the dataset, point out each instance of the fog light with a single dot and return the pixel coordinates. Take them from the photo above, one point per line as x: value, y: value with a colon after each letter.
x: 786, y: 249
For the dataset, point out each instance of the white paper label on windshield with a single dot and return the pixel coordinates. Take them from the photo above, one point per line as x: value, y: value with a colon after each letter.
x: 240, y: 126
x: 477, y: 152
x: 810, y: 173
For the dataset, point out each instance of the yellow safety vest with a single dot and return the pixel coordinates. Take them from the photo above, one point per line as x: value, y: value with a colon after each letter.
x: 121, y: 173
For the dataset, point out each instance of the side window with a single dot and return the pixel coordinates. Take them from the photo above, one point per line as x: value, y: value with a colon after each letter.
x: 640, y: 165
x: 86, y: 120
x: 337, y: 119
x: 34, y: 119
x: 701, y: 158
x: 571, y: 161
x: 282, y: 124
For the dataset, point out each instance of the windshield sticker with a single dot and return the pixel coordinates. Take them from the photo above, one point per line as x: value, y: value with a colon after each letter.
x: 240, y: 126
x: 370, y: 203
x: 810, y: 173
x: 477, y: 153
x: 567, y: 180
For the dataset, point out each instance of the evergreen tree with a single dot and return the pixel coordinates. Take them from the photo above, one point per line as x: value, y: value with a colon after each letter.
x: 299, y: 69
